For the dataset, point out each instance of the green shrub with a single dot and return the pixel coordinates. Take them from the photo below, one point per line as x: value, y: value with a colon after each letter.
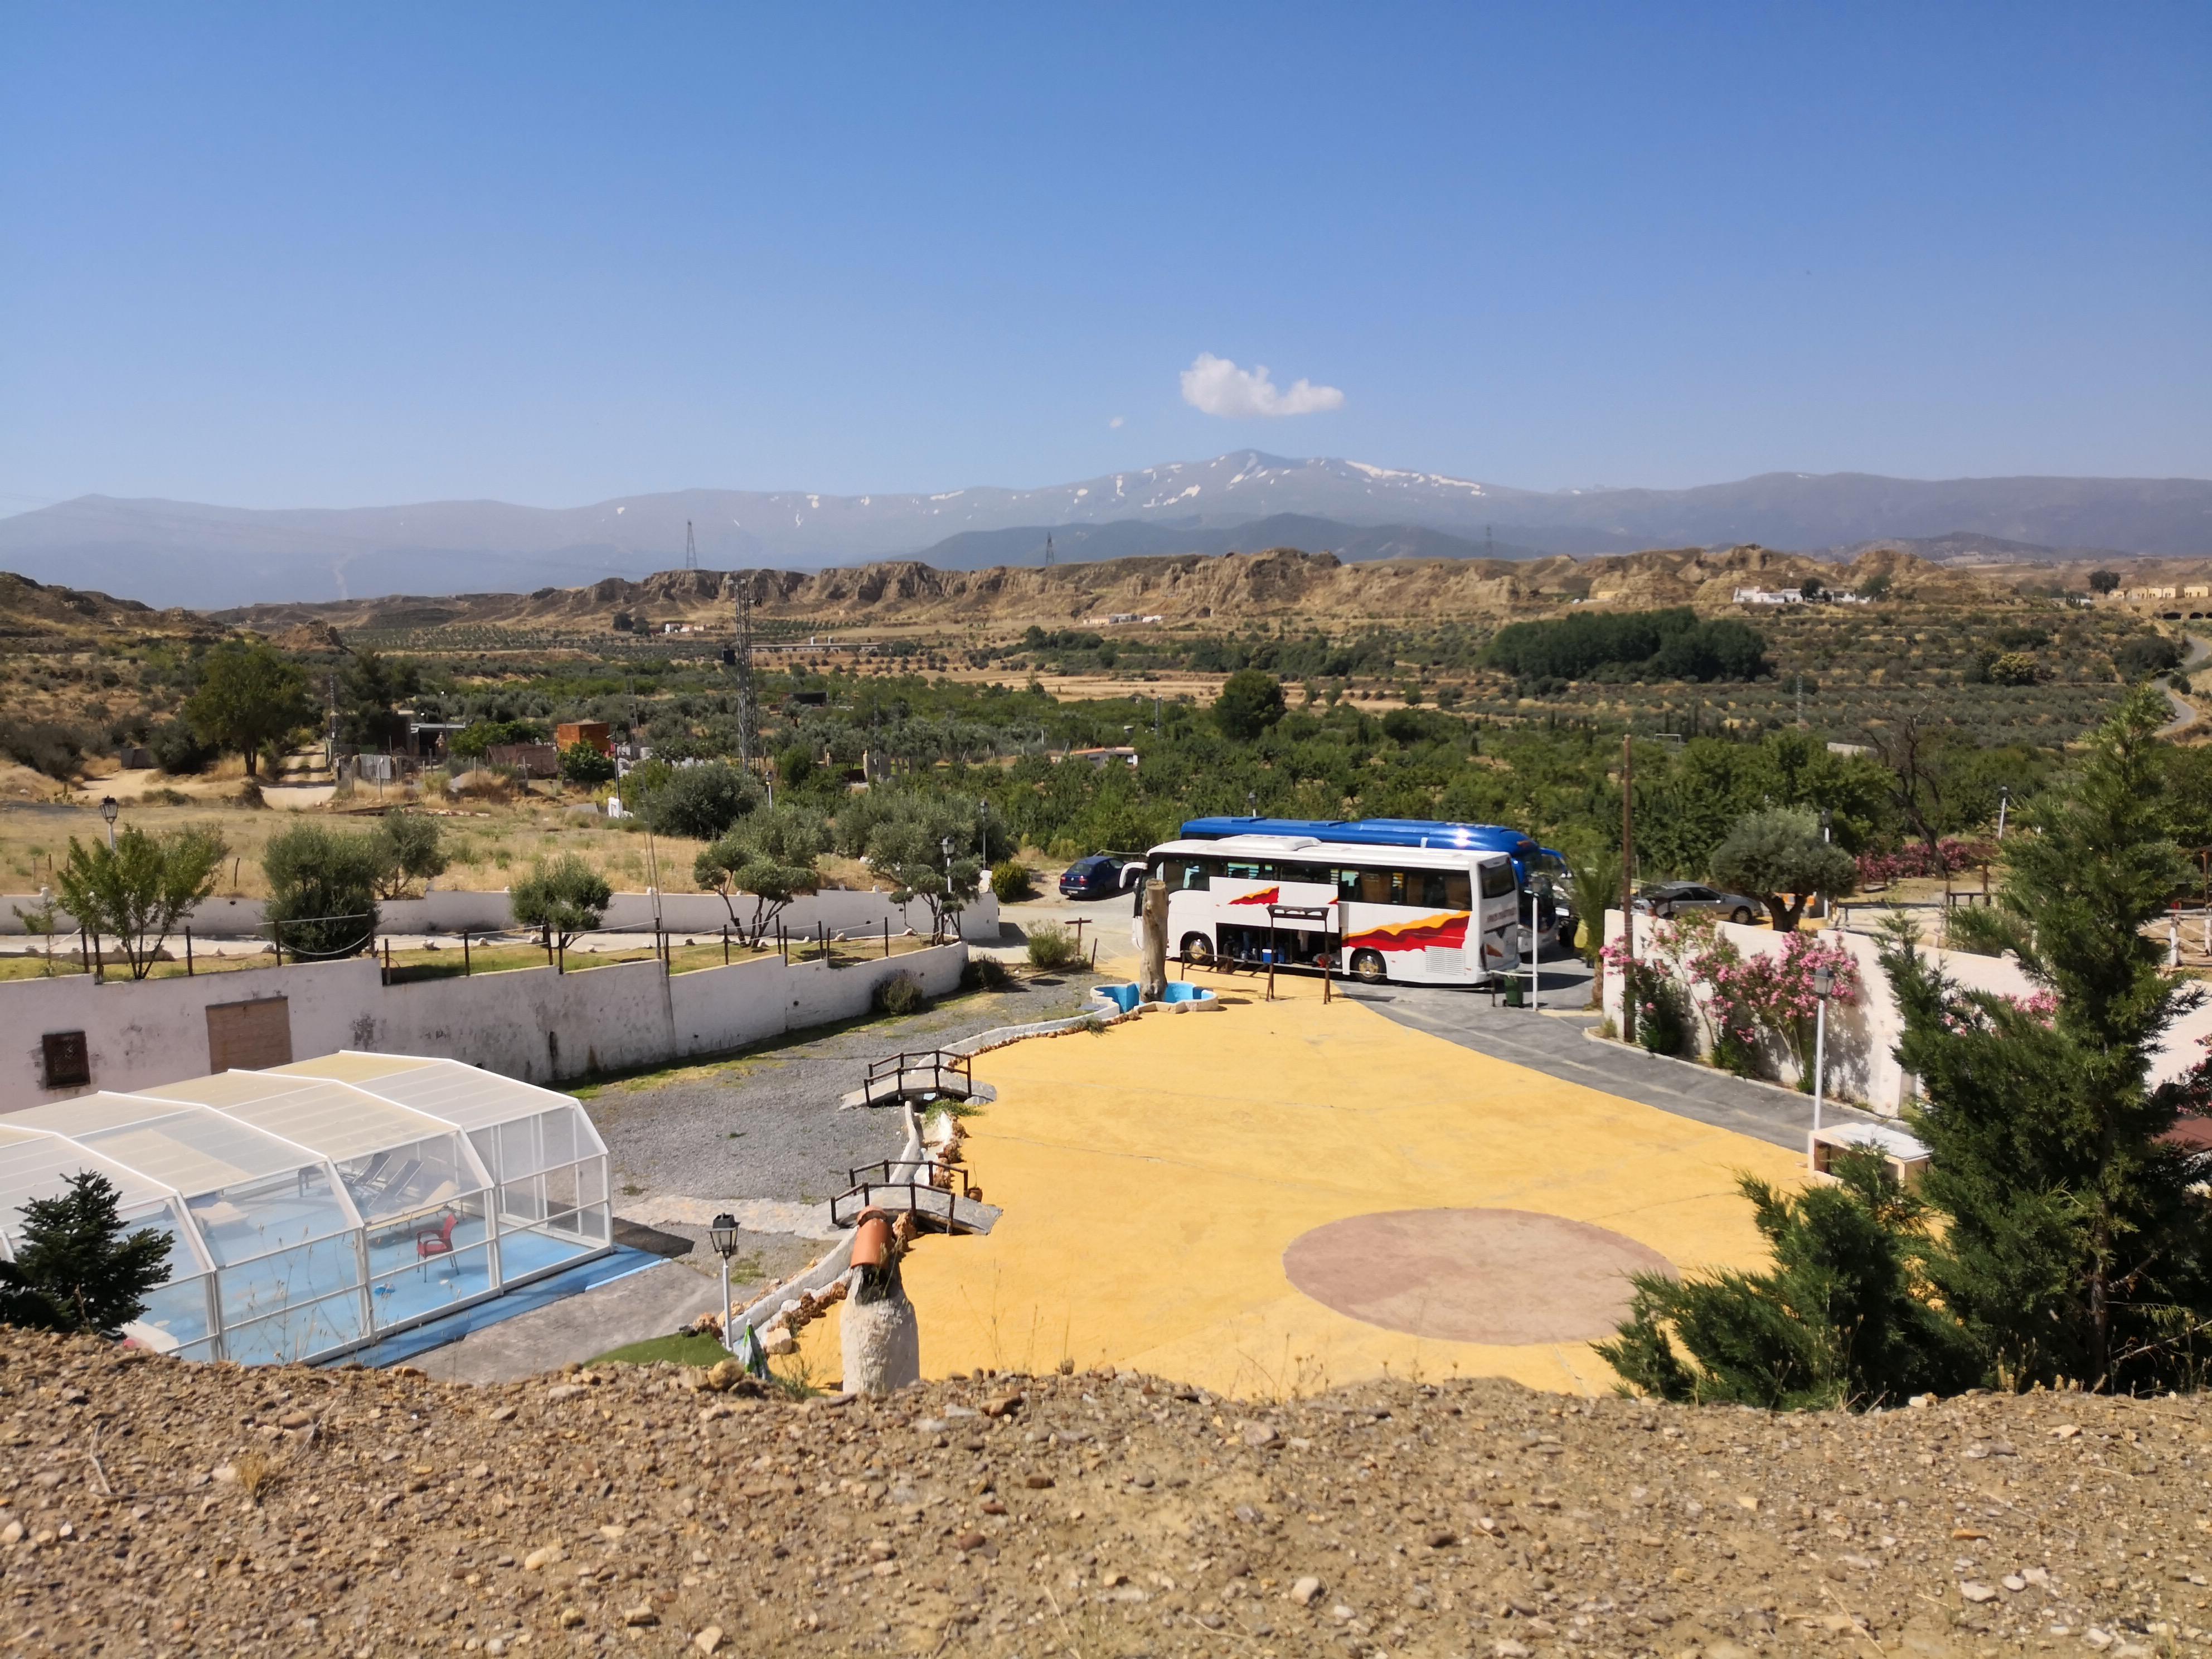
x: 984, y: 974
x: 902, y: 993
x: 1662, y: 1009
x: 322, y: 888
x: 1010, y: 880
x: 582, y: 764
x: 1052, y: 947
x: 701, y: 802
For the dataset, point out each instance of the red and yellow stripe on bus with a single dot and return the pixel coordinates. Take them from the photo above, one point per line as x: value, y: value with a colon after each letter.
x: 1265, y: 896
x: 1447, y: 933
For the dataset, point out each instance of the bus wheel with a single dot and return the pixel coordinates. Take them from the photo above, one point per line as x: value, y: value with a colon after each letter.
x: 1197, y: 948
x: 1367, y: 967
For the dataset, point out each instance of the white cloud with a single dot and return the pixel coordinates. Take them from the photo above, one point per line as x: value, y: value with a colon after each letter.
x: 1214, y: 385
x: 1116, y: 423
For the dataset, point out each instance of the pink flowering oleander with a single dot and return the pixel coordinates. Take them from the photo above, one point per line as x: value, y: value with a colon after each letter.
x: 1877, y: 869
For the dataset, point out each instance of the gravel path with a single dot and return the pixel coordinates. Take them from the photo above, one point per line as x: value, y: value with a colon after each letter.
x: 766, y: 1125
x: 157, y: 1505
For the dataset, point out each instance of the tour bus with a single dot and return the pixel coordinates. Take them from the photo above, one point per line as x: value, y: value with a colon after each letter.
x: 1418, y: 916
x: 1555, y: 918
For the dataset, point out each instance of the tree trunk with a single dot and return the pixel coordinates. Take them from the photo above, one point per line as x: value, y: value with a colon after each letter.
x: 1155, y: 986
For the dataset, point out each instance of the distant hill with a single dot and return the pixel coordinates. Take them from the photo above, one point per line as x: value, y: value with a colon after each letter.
x: 1222, y: 592
x: 185, y: 553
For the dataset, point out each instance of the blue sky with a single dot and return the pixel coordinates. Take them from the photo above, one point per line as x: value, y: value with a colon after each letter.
x: 338, y: 256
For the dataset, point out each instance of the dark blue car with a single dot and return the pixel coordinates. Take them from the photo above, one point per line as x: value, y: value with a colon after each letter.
x: 1098, y: 876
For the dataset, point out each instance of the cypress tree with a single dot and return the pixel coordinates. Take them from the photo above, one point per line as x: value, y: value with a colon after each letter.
x: 76, y: 1269
x: 1844, y: 1318
x: 2073, y: 1247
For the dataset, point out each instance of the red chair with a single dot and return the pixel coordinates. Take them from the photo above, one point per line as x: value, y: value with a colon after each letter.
x: 435, y: 1240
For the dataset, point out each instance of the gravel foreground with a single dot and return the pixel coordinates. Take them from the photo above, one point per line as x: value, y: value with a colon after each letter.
x: 150, y: 1506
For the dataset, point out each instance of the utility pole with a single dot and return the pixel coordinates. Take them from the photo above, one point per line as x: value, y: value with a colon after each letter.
x: 1628, y: 887
x: 330, y: 737
x: 748, y: 717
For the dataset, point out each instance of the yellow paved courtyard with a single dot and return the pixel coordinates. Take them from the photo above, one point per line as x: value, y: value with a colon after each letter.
x: 1154, y: 1174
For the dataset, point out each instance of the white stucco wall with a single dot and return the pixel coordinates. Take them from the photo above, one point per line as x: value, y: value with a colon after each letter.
x: 1862, y: 1038
x: 852, y: 912
x: 535, y: 1023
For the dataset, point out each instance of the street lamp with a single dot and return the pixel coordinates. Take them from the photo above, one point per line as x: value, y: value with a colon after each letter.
x: 722, y: 1233
x: 1826, y: 819
x: 983, y: 829
x: 944, y: 847
x: 1251, y: 803
x: 1824, y: 984
x: 1541, y: 887
x: 109, y: 810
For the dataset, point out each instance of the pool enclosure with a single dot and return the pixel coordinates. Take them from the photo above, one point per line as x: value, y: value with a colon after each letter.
x: 317, y: 1207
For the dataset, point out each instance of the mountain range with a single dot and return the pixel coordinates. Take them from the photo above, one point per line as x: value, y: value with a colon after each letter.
x: 186, y: 553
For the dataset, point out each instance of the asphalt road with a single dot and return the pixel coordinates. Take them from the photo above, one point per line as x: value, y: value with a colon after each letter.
x: 1556, y: 1042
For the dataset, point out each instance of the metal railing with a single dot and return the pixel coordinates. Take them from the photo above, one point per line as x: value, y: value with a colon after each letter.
x: 932, y: 1071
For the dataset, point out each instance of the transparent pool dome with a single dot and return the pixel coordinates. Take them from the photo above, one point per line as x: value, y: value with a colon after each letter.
x: 318, y: 1207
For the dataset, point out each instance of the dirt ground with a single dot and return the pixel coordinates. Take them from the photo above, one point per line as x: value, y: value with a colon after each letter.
x: 147, y: 1506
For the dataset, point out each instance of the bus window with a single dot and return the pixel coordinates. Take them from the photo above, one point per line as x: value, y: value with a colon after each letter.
x: 1245, y: 869
x: 1496, y: 880
x: 1369, y: 887
x: 1459, y: 890
x: 1313, y: 874
x: 1181, y: 875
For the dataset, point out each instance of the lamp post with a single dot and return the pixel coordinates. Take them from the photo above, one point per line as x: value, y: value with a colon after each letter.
x: 2004, y: 805
x: 983, y: 829
x: 723, y: 1232
x: 944, y: 847
x: 1538, y: 889
x: 109, y: 810
x: 1251, y: 803
x: 1824, y: 983
x: 1826, y: 819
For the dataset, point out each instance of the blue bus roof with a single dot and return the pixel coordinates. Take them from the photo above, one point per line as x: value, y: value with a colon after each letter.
x: 1373, y: 832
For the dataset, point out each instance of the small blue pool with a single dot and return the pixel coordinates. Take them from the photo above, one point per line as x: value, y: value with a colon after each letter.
x: 1124, y: 997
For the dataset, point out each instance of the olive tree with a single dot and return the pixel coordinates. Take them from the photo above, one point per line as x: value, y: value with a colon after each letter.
x: 770, y: 856
x: 1778, y: 857
x: 564, y: 897
x: 140, y: 891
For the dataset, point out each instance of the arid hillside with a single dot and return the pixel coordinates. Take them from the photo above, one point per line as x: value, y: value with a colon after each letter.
x: 151, y: 1506
x: 1283, y: 585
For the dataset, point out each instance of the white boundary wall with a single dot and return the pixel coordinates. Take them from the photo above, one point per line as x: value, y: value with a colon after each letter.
x: 534, y: 1023
x: 838, y: 909
x: 1862, y: 1037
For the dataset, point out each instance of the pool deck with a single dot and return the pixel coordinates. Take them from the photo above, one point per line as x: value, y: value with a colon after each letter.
x: 1154, y: 1173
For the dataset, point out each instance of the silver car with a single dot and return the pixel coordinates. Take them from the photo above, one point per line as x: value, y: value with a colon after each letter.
x: 1676, y: 898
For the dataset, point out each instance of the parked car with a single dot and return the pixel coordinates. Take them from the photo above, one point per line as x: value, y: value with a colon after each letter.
x: 1676, y: 898
x: 1102, y: 875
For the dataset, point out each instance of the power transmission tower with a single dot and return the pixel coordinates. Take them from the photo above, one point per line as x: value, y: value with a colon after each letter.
x: 690, y: 548
x: 741, y: 660
x: 1047, y: 552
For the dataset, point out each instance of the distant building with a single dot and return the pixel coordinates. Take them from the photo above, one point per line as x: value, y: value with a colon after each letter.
x: 1119, y: 752
x: 2199, y: 592
x: 569, y: 734
x: 1769, y: 596
x: 2151, y: 593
